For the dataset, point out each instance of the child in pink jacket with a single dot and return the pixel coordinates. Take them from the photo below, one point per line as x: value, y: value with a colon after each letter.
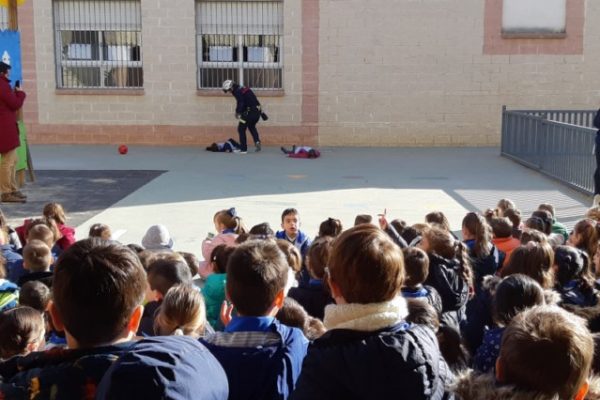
x: 228, y: 225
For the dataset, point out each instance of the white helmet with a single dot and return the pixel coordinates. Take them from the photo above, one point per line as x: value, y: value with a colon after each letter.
x: 227, y: 85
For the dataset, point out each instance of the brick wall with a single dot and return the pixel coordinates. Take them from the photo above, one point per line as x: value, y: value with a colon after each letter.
x: 414, y: 73
x: 373, y: 73
x: 169, y: 111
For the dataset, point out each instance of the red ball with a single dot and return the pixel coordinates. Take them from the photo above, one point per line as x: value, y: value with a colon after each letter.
x: 123, y: 149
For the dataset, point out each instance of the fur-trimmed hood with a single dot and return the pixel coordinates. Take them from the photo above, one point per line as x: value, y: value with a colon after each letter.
x: 472, y: 386
x: 366, y: 317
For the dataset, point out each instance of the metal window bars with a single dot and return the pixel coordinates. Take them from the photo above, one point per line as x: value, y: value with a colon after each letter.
x: 98, y: 44
x: 240, y: 40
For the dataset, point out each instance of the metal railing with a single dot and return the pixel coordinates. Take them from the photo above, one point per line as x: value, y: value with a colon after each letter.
x: 557, y: 143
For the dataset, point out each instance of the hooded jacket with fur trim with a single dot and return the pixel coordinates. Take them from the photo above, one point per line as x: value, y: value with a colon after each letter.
x: 473, y: 386
x: 444, y: 276
x: 371, y: 353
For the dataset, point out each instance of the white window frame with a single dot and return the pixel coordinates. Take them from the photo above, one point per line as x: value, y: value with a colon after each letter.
x: 240, y: 29
x: 98, y: 24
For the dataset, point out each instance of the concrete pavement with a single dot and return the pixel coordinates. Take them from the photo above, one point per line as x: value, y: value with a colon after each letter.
x: 408, y: 183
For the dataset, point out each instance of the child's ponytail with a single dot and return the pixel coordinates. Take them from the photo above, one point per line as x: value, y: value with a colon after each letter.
x: 477, y: 226
x: 587, y: 276
x: 464, y: 262
x: 231, y: 220
x: 182, y: 312
x: 240, y: 228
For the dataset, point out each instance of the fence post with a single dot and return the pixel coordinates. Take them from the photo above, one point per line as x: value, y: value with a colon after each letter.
x: 503, y: 130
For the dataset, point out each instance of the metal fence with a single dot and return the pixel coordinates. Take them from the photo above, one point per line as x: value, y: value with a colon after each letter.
x: 557, y: 143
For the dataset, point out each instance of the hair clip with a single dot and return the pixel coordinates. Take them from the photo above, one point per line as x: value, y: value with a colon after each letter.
x: 232, y: 213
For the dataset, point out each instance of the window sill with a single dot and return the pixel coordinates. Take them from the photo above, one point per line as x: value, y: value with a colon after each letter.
x: 219, y: 93
x: 534, y: 35
x: 101, y: 92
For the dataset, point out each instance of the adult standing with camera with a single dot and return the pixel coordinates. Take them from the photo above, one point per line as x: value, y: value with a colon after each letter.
x: 247, y: 111
x: 11, y: 100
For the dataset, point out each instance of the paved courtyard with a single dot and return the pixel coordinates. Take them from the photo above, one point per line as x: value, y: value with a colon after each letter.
x: 183, y: 187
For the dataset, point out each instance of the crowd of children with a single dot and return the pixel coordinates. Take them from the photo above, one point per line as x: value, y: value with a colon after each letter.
x: 382, y: 310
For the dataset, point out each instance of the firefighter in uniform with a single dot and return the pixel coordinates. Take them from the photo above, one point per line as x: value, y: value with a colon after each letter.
x: 247, y: 111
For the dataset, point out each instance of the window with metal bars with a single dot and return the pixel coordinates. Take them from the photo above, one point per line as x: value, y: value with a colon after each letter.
x: 3, y: 18
x: 239, y: 40
x: 98, y: 44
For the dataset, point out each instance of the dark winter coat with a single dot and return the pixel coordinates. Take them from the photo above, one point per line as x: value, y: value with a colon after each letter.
x: 445, y: 277
x: 245, y: 99
x: 10, y: 103
x: 473, y: 386
x: 313, y: 297
x: 58, y: 373
x: 260, y: 365
x: 572, y: 293
x: 597, y: 120
x: 393, y: 233
x: 479, y: 315
x: 590, y: 314
x: 45, y: 277
x: 479, y: 312
x: 484, y: 265
x: 165, y: 367
x: 147, y: 323
x: 488, y: 352
x: 399, y: 362
x: 427, y: 293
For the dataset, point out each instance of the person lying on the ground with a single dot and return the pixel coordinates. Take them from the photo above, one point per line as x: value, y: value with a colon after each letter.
x: 301, y: 152
x: 227, y: 147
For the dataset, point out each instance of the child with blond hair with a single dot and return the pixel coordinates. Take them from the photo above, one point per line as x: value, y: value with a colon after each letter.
x: 182, y: 312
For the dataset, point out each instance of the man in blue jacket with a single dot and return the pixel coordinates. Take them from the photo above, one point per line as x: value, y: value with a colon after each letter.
x: 247, y: 111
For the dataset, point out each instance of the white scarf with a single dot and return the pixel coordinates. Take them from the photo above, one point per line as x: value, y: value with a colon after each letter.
x: 365, y: 317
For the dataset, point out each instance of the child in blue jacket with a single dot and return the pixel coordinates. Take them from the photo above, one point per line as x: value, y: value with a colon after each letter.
x: 290, y: 222
x: 261, y: 357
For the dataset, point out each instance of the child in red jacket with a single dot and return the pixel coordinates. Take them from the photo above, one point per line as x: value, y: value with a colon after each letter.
x: 56, y: 212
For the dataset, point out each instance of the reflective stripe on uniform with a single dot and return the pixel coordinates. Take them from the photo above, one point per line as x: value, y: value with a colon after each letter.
x: 242, y: 121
